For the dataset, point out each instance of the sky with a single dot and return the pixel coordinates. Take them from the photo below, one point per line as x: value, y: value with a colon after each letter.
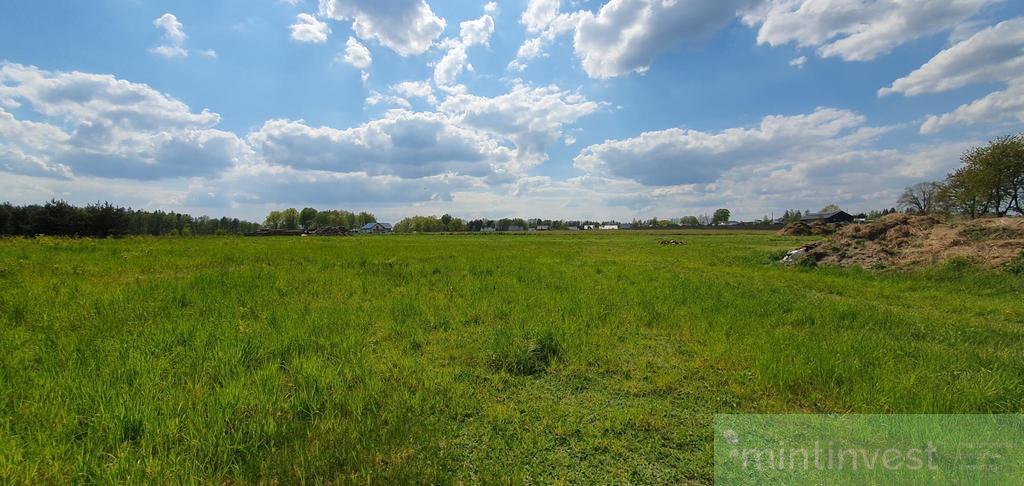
x: 619, y: 110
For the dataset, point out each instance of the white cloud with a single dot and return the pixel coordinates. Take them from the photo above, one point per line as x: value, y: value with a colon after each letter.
x: 491, y: 8
x: 676, y: 156
x: 542, y: 19
x: 169, y: 51
x: 539, y: 14
x: 174, y: 35
x: 357, y: 54
x: 531, y: 117
x: 471, y: 32
x: 208, y: 53
x: 173, y: 29
x: 307, y: 28
x: 415, y: 89
x: 995, y: 54
x: 102, y: 126
x: 625, y: 35
x: 992, y: 55
x: 377, y: 98
x: 798, y: 62
x: 407, y: 27
x: 857, y: 30
x: 1002, y: 105
x: 402, y: 143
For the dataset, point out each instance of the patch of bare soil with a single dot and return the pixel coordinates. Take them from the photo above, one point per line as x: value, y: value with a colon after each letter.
x: 904, y: 241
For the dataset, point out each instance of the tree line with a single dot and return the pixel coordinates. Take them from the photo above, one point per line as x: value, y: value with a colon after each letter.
x: 989, y: 183
x: 100, y: 220
x: 312, y: 218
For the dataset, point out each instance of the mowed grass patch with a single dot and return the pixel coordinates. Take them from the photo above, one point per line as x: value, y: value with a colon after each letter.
x: 498, y: 358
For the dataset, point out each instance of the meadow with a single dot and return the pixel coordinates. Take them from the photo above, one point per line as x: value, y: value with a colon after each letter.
x: 530, y: 358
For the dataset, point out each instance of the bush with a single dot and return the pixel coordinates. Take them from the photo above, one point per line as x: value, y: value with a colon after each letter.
x: 523, y: 353
x: 958, y: 264
x: 1016, y: 266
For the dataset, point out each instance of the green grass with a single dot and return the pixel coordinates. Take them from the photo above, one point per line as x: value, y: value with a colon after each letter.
x: 498, y: 358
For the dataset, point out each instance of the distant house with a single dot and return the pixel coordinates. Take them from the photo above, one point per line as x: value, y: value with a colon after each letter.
x: 626, y: 226
x: 573, y: 228
x: 376, y: 228
x: 543, y: 228
x: 489, y: 229
x: 830, y: 217
x: 588, y: 226
x: 516, y: 228
x: 610, y: 227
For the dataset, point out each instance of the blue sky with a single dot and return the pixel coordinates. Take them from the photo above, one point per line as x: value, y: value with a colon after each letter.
x: 587, y: 109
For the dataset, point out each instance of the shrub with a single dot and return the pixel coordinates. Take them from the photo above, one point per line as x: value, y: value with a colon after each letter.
x: 958, y: 264
x: 806, y: 262
x: 1016, y: 266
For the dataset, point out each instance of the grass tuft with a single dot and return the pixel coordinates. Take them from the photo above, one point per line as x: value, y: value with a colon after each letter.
x: 523, y: 353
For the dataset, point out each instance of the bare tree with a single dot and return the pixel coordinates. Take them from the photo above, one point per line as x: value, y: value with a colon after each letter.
x: 920, y: 198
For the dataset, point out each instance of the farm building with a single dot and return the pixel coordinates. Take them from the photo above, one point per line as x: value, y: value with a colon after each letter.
x: 830, y: 217
x: 376, y: 228
x: 516, y: 228
x: 543, y: 228
x: 610, y: 227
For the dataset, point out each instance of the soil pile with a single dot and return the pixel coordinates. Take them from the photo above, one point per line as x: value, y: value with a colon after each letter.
x: 900, y: 240
x: 800, y: 228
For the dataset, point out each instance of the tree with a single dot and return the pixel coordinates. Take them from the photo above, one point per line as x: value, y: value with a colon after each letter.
x: 273, y: 220
x: 446, y: 219
x: 991, y: 181
x: 721, y: 216
x: 307, y: 218
x: 920, y: 198
x: 290, y: 218
x: 831, y: 208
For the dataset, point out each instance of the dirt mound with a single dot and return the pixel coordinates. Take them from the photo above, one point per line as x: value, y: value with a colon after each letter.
x: 900, y: 240
x: 800, y: 228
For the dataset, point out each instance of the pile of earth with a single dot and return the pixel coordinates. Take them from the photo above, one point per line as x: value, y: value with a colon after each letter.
x: 904, y: 241
x: 818, y: 228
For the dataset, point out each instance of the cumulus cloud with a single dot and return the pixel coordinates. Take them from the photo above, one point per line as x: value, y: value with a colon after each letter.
x: 532, y: 117
x: 625, y: 35
x: 307, y: 28
x: 415, y: 89
x: 676, y: 156
x: 999, y: 106
x: 995, y: 54
x: 174, y: 36
x: 856, y: 30
x: 454, y: 62
x: 102, y: 126
x: 408, y: 27
x: 991, y: 55
x: 545, y: 22
x: 268, y: 184
x: 798, y: 62
x: 173, y: 29
x: 356, y: 54
x: 402, y: 144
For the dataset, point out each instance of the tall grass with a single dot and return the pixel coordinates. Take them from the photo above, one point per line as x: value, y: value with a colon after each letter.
x: 527, y: 358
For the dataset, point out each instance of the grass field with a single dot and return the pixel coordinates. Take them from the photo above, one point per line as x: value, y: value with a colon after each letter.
x: 498, y: 358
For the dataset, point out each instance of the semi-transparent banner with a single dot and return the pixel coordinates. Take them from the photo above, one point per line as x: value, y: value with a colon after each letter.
x: 869, y: 449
